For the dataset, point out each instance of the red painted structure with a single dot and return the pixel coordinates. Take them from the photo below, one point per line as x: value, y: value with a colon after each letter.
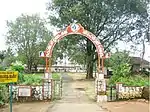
x: 74, y: 29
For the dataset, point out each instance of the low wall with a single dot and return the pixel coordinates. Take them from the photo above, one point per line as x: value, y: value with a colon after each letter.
x: 49, y: 89
x: 128, y: 92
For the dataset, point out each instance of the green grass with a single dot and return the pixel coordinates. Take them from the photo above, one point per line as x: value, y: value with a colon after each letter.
x: 36, y: 79
x: 32, y: 79
x: 56, y: 76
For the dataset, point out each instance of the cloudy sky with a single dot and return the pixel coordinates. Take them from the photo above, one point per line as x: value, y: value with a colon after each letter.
x: 11, y: 9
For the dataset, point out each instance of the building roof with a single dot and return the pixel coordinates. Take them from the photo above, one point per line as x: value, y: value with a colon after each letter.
x: 138, y: 60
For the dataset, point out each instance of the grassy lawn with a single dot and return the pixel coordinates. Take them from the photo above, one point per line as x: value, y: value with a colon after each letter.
x: 77, y: 76
x: 56, y: 76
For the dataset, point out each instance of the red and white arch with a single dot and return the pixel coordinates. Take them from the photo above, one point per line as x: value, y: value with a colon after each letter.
x: 74, y: 29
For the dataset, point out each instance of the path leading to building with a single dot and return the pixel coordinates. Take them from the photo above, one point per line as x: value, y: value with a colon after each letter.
x: 74, y: 99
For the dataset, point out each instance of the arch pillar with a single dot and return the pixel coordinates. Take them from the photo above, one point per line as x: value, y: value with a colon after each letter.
x: 100, y: 82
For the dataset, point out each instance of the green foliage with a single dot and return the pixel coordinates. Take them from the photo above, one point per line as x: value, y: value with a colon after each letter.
x: 32, y: 79
x: 2, y: 55
x: 9, y: 58
x: 55, y: 76
x: 120, y: 64
x: 36, y: 79
x: 109, y: 20
x: 18, y: 66
x: 3, y: 94
x: 122, y: 70
x: 131, y: 81
x: 28, y: 35
x: 2, y: 68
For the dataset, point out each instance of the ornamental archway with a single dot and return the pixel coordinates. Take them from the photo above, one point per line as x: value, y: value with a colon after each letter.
x: 100, y: 85
x: 70, y: 30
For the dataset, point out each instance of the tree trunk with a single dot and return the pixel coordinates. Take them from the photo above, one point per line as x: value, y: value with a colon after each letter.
x: 29, y: 66
x: 35, y: 67
x: 143, y: 53
x: 89, y: 74
x: 89, y: 60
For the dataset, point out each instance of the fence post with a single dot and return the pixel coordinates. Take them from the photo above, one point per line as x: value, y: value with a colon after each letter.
x: 61, y: 87
x: 118, y: 89
x: 11, y: 97
x: 111, y: 92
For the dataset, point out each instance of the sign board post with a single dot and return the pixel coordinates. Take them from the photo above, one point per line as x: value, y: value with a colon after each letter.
x: 9, y: 77
x: 10, y: 97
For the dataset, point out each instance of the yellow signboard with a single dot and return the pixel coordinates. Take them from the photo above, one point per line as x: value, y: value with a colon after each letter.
x: 8, y: 76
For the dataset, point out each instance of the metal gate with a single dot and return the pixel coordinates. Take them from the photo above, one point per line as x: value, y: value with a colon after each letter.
x: 112, y: 93
x: 56, y: 89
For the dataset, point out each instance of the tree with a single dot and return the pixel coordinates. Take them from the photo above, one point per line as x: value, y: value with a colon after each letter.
x: 2, y: 55
x: 28, y: 35
x: 9, y: 58
x: 109, y: 20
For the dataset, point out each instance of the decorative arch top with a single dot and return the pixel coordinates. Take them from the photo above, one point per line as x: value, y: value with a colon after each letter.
x: 74, y: 29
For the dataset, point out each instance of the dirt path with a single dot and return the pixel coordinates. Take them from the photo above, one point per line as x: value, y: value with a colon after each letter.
x: 74, y: 99
x: 127, y: 106
x: 29, y: 107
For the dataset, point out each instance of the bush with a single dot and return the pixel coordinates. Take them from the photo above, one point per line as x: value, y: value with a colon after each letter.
x: 119, y: 63
x: 2, y: 68
x: 4, y: 95
x: 32, y: 79
x: 17, y: 66
x: 130, y: 81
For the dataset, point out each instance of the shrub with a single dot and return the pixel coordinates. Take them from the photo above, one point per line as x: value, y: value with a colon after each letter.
x: 4, y: 95
x: 18, y: 66
x: 32, y: 79
x: 119, y: 63
x: 2, y: 68
x: 130, y: 81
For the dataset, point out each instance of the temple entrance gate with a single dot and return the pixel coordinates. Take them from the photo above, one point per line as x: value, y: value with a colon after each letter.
x: 100, y: 84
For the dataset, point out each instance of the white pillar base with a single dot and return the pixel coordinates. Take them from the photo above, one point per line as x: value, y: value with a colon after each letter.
x: 101, y: 98
x: 100, y: 88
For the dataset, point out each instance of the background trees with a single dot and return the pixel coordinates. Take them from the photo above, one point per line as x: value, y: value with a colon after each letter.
x: 121, y: 65
x: 109, y: 20
x: 27, y: 35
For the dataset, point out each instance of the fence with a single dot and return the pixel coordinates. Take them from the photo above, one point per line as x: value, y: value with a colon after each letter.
x: 49, y: 90
x: 56, y: 89
x: 119, y: 92
x: 111, y: 93
x: 128, y: 92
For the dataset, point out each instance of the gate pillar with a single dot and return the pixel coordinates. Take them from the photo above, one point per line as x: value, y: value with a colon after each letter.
x: 47, y: 82
x: 100, y: 84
